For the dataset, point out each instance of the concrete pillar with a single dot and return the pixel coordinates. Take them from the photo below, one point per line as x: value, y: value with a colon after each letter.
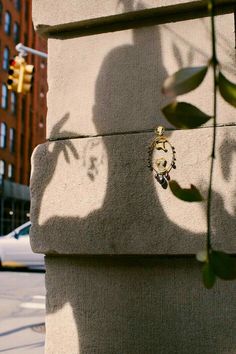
x: 121, y: 276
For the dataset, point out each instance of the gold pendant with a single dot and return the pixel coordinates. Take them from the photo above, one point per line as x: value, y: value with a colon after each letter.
x: 159, y: 153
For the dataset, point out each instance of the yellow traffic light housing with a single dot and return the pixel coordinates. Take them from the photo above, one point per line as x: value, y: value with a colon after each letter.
x: 20, y: 75
x: 27, y: 78
x: 15, y: 73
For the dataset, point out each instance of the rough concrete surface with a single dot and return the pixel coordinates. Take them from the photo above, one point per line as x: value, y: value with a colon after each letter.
x: 112, y: 82
x: 97, y: 196
x: 97, y: 210
x: 136, y: 306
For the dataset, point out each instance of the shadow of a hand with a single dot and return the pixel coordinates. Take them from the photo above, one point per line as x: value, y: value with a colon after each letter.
x: 63, y: 136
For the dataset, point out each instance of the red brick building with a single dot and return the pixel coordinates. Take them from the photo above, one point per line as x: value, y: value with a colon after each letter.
x: 22, y: 117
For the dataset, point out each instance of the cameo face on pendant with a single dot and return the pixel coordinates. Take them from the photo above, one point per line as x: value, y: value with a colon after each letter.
x: 161, y: 157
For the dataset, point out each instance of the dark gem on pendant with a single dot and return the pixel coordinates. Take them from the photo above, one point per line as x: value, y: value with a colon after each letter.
x: 162, y: 180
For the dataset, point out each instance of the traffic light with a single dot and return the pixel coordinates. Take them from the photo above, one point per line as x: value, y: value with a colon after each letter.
x: 20, y: 75
x: 27, y: 78
x: 14, y: 73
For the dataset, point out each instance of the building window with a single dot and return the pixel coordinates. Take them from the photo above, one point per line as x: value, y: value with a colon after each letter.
x: 16, y: 32
x: 3, y: 135
x: 7, y: 24
x: 4, y: 96
x: 1, y: 7
x: 6, y: 55
x: 11, y: 171
x: 17, y: 4
x: 13, y: 102
x: 12, y: 139
x: 2, y: 169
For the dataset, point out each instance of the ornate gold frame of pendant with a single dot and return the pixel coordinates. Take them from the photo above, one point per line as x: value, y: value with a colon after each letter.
x: 160, y: 165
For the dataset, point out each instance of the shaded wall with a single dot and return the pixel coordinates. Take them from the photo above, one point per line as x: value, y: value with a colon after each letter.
x: 121, y: 276
x: 136, y: 305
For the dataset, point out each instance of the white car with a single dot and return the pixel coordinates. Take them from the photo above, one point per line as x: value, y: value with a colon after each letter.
x: 15, y: 249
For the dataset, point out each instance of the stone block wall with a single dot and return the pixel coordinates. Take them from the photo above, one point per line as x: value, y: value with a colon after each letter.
x: 121, y: 275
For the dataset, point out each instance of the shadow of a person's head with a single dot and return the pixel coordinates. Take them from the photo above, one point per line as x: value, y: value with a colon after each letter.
x: 128, y: 86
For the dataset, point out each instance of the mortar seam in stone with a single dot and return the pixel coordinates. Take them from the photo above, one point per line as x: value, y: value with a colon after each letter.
x: 134, y: 132
x: 129, y: 20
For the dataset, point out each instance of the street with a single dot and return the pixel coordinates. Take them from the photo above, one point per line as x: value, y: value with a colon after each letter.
x: 22, y: 311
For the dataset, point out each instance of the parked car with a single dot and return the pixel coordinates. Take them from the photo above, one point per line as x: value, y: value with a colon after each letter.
x: 15, y: 249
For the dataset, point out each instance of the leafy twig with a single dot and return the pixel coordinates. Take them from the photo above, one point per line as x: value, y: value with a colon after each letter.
x: 214, y: 63
x: 185, y: 116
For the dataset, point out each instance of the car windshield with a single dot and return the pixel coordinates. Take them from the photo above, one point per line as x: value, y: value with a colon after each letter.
x: 24, y: 231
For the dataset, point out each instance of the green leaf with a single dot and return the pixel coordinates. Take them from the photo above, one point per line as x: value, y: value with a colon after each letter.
x: 188, y: 195
x: 184, y: 115
x: 223, y: 265
x: 208, y: 275
x: 227, y: 90
x: 184, y: 80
